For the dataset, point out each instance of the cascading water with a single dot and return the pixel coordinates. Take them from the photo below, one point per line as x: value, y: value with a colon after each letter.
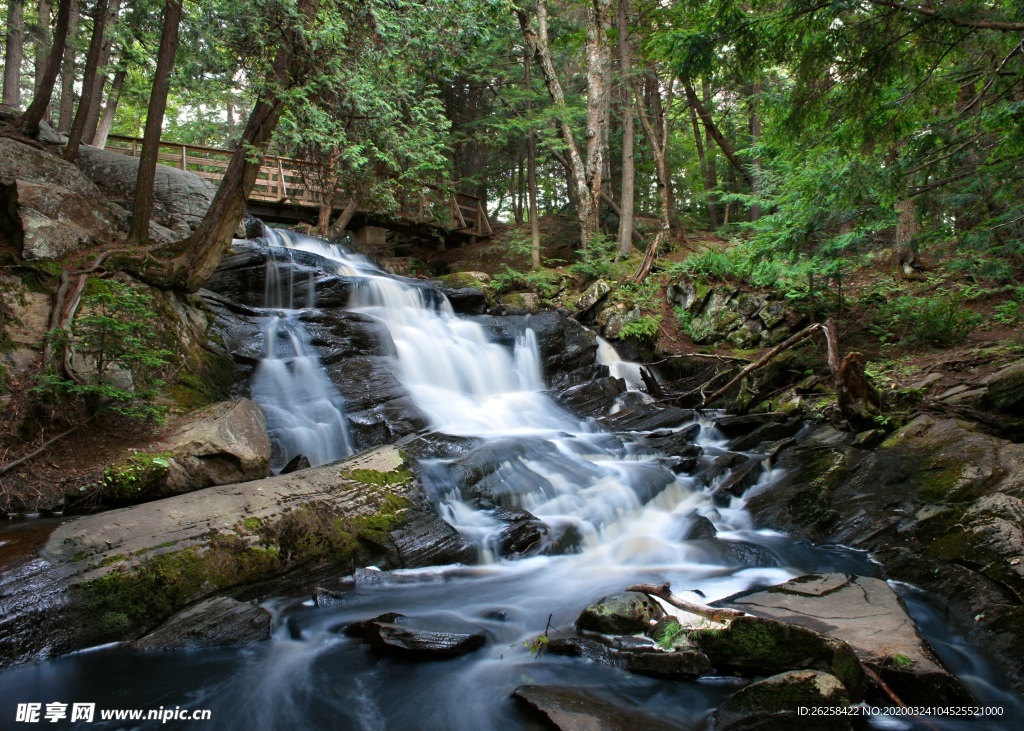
x: 305, y: 411
x: 629, y: 513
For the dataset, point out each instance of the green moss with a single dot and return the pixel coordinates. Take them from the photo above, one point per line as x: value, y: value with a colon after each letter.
x: 135, y: 477
x: 459, y: 280
x: 252, y: 525
x: 116, y: 558
x: 166, y: 544
x: 820, y: 473
x: 79, y: 556
x: 207, y: 379
x: 132, y: 599
x: 381, y: 479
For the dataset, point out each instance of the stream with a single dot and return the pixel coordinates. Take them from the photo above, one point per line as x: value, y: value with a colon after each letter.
x: 618, y: 511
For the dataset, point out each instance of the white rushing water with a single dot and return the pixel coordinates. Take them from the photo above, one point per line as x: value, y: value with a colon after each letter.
x: 305, y: 411
x: 624, y: 508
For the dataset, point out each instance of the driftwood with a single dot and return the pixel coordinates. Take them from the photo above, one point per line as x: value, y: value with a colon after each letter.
x: 664, y: 591
x: 764, y: 360
x: 653, y: 387
x: 858, y: 399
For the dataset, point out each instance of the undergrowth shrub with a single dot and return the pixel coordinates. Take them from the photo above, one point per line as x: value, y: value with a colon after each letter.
x: 937, y: 320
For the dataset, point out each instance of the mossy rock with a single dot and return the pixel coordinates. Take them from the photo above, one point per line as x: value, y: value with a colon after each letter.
x: 773, y: 704
x: 1006, y: 389
x: 759, y: 646
x: 460, y: 280
x: 623, y: 613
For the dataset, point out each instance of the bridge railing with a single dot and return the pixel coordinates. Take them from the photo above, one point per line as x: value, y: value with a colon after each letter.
x: 281, y: 180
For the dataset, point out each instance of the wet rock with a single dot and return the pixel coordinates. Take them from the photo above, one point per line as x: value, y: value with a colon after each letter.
x: 699, y: 528
x: 594, y: 398
x: 759, y: 646
x: 619, y: 614
x: 647, y: 417
x: 572, y: 709
x: 738, y: 425
x: 739, y: 553
x: 869, y: 439
x: 298, y: 462
x: 869, y: 616
x: 466, y: 300
x: 419, y: 637
x: 327, y: 598
x: 523, y: 535
x: 222, y: 444
x: 681, y: 664
x: 435, y: 445
x: 772, y: 704
x: 212, y: 623
x: 740, y: 479
x: 1006, y: 389
x: 691, y: 296
x: 582, y: 647
x: 426, y: 540
x: 768, y: 432
x: 675, y: 442
x: 564, y: 344
x: 590, y: 297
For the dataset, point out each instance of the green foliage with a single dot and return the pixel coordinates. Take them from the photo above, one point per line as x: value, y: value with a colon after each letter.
x: 717, y: 264
x: 133, y: 478
x: 644, y: 327
x: 1008, y: 313
x: 117, y: 335
x: 544, y: 282
x: 936, y: 320
x: 596, y: 260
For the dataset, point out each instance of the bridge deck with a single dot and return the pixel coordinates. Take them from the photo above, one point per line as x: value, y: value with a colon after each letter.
x: 284, y: 186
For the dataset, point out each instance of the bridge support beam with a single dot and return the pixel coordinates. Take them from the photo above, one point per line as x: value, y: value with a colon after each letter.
x: 370, y: 240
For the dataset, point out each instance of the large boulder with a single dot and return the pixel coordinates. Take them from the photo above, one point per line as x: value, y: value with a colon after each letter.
x: 117, y: 575
x: 869, y: 616
x: 938, y: 503
x: 54, y: 221
x: 1006, y: 389
x: 219, y: 445
x: 565, y: 345
x: 758, y: 646
x: 180, y: 198
x: 795, y: 701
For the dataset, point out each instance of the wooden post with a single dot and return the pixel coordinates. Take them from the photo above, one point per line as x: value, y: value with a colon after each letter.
x: 184, y: 158
x: 283, y: 189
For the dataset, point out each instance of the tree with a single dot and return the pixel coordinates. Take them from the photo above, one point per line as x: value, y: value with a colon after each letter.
x: 44, y: 91
x: 92, y: 79
x: 13, y: 52
x: 628, y: 186
x: 138, y: 230
x: 67, y: 74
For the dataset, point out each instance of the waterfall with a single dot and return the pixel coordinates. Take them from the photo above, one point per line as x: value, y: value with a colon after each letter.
x: 305, y: 411
x: 573, y: 476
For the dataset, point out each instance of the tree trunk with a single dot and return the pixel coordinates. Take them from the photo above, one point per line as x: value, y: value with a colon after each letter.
x: 657, y: 137
x: 89, y: 79
x: 67, y: 75
x: 41, y: 41
x: 755, y: 137
x: 906, y: 230
x: 712, y: 167
x: 142, y: 210
x: 106, y: 122
x: 531, y: 171
x: 716, y: 134
x: 41, y: 103
x: 93, y: 117
x: 703, y: 158
x: 14, y: 52
x: 585, y: 179
x: 345, y: 217
x: 204, y: 249
x: 627, y: 199
x: 857, y: 398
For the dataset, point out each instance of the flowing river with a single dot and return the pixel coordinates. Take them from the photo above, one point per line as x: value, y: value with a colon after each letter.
x: 621, y: 509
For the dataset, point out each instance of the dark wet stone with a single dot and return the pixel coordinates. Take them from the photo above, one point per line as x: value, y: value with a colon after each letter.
x: 582, y: 647
x: 327, y: 598
x: 769, y: 432
x: 466, y: 300
x: 572, y: 709
x: 298, y: 462
x: 618, y: 614
x: 211, y: 623
x: 682, y: 664
x: 647, y: 417
x: 699, y: 528
x: 426, y: 540
x: 418, y: 637
x: 738, y: 425
x: 594, y: 398
x: 740, y: 479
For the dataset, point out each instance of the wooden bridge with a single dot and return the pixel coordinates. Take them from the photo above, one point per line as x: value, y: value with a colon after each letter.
x: 284, y: 193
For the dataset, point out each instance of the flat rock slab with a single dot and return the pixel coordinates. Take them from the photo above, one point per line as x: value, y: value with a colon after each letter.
x: 771, y: 704
x: 212, y: 623
x: 423, y: 637
x: 572, y: 709
x: 869, y: 616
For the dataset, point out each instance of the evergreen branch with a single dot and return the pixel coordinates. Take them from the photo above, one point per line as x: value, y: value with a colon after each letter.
x: 1001, y: 25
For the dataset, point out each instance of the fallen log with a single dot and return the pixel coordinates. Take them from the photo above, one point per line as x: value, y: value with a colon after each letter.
x: 664, y: 592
